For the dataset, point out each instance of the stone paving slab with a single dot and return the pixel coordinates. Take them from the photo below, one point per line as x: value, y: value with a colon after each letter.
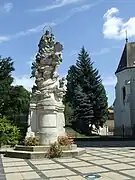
x: 109, y: 163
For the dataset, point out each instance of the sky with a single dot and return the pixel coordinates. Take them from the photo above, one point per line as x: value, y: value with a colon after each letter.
x: 98, y: 25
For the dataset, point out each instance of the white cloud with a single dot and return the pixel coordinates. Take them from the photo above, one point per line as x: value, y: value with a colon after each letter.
x: 101, y: 52
x: 7, y: 7
x: 73, y: 53
x: 32, y: 59
x: 56, y: 22
x: 109, y: 81
x: 56, y: 4
x: 25, y: 81
x: 104, y: 51
x: 36, y: 29
x: 115, y: 27
x: 3, y: 39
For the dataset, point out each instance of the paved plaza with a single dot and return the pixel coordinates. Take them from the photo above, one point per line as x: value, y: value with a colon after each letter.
x: 109, y: 163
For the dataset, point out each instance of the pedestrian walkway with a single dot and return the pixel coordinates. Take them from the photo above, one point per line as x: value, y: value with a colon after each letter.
x: 109, y: 163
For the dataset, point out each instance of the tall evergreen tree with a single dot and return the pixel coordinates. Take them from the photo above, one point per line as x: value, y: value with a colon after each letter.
x: 68, y: 112
x: 71, y: 85
x: 83, y: 110
x: 83, y: 74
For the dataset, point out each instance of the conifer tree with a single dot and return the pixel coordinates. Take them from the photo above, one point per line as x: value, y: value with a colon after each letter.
x: 83, y: 111
x: 83, y: 80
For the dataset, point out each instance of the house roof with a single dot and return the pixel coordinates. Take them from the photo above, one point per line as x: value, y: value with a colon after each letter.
x: 110, y: 110
x: 128, y: 57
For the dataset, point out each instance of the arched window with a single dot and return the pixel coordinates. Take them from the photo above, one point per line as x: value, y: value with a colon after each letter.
x: 124, y: 94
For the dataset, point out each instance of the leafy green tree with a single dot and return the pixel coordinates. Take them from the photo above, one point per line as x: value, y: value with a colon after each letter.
x: 19, y: 107
x: 14, y: 100
x: 9, y: 134
x: 19, y: 100
x: 87, y: 78
x: 6, y: 79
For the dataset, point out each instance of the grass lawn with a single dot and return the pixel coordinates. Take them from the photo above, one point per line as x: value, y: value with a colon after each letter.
x: 73, y: 133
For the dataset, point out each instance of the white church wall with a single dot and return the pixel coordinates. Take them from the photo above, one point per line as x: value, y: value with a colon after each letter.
x: 123, y: 109
x: 132, y: 100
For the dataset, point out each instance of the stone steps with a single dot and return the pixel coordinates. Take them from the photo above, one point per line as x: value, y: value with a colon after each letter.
x: 25, y: 154
x: 41, y: 154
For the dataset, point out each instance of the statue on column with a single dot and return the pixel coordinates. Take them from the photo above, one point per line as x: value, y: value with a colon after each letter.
x: 47, y: 94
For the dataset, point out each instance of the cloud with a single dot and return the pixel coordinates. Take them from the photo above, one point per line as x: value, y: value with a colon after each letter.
x: 25, y: 81
x: 104, y: 51
x: 36, y: 29
x: 55, y: 22
x: 3, y: 39
x: 32, y: 59
x: 101, y: 52
x: 28, y: 82
x: 73, y: 53
x: 109, y: 81
x: 115, y: 27
x: 56, y: 4
x: 7, y: 7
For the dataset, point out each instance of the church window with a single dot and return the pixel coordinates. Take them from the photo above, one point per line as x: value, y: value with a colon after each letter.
x: 124, y: 94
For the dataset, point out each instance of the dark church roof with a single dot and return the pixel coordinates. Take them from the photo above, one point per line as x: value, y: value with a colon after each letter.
x: 128, y: 57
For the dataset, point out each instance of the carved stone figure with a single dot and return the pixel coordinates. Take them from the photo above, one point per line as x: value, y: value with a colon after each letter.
x: 48, y: 58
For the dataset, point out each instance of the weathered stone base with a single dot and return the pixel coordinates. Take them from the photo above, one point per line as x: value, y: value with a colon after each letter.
x: 40, y: 152
x: 32, y: 148
x: 41, y: 155
x: 25, y: 154
x: 74, y: 153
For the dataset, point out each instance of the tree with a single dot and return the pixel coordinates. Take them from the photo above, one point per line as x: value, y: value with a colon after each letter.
x: 19, y: 107
x: 71, y: 84
x: 68, y: 112
x: 9, y: 134
x: 83, y: 111
x: 33, y: 69
x: 19, y: 100
x: 14, y: 100
x: 84, y: 75
x: 6, y: 79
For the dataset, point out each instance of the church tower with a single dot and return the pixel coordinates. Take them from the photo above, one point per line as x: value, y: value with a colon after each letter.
x: 124, y: 105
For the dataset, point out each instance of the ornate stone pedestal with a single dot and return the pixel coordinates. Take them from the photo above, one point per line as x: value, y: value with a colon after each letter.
x: 47, y: 124
x: 51, y: 121
x: 60, y: 120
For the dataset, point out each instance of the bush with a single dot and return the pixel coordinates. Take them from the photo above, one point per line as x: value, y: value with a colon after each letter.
x: 55, y: 150
x: 9, y: 134
x: 31, y: 141
x: 65, y: 140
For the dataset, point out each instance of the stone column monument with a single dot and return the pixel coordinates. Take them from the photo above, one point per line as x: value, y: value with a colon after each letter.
x: 46, y: 107
x: 46, y: 114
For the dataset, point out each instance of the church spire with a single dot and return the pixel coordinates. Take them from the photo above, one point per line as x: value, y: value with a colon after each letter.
x: 126, y: 37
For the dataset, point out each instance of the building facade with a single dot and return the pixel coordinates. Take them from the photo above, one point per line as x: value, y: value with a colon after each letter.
x: 124, y: 105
